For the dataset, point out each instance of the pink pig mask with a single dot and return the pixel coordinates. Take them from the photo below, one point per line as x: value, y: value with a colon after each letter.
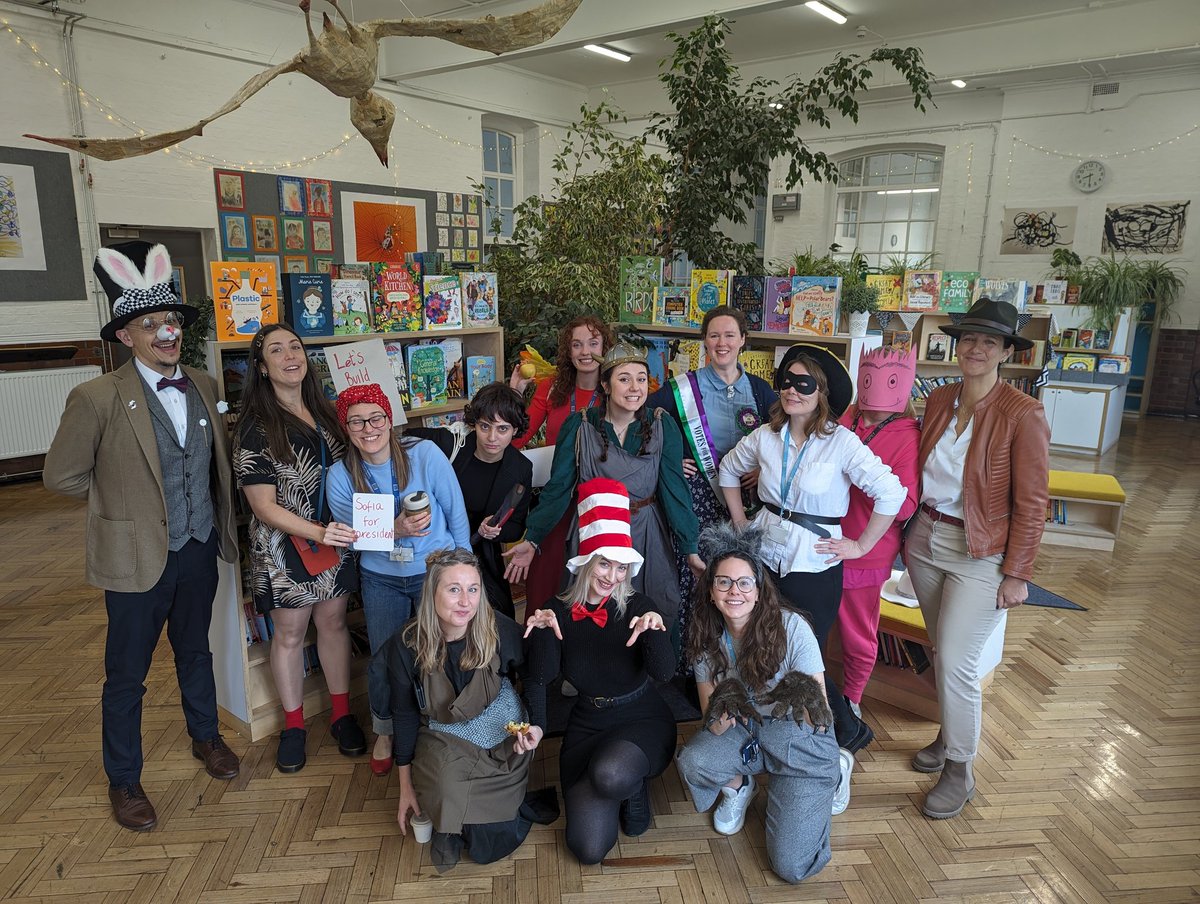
x: 885, y: 379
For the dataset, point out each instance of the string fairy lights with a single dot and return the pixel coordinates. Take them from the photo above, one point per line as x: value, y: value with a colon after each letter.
x: 1072, y: 155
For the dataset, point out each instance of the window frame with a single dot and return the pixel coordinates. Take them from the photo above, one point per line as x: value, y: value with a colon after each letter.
x: 500, y: 177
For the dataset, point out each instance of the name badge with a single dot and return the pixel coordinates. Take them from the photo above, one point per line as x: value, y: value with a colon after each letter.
x: 401, y: 554
x: 779, y: 531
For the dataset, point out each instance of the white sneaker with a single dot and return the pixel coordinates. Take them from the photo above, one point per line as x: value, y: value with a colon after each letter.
x: 841, y: 797
x: 855, y: 708
x: 730, y: 815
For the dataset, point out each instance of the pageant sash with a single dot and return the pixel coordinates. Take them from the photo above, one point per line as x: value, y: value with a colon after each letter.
x: 690, y: 405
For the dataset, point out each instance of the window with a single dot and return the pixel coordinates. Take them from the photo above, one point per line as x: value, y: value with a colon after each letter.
x: 499, y: 178
x: 887, y: 205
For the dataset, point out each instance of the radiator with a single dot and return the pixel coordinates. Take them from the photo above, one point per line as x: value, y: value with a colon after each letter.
x: 31, y: 405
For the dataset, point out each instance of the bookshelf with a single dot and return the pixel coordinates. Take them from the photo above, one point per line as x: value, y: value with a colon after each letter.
x: 1085, y: 510
x: 246, y: 695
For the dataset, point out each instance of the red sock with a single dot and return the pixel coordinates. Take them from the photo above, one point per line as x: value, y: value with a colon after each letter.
x: 341, y: 706
x: 293, y: 718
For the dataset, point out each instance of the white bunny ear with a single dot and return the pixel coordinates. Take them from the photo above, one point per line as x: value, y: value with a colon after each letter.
x: 122, y: 270
x: 158, y: 266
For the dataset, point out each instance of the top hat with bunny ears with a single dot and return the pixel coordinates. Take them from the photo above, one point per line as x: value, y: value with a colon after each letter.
x: 136, y: 276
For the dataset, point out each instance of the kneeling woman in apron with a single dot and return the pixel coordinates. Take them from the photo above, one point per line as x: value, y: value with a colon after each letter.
x: 462, y: 759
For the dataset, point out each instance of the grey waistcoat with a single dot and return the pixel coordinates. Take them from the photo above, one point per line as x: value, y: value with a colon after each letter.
x: 187, y: 481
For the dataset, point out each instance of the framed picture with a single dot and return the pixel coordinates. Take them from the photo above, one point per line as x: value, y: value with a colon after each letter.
x: 231, y: 190
x: 238, y: 258
x: 320, y: 197
x: 295, y: 263
x: 293, y: 234
x: 266, y: 233
x: 379, y: 228
x: 323, y: 264
x: 235, y: 232
x: 180, y: 285
x: 322, y: 235
x: 291, y: 195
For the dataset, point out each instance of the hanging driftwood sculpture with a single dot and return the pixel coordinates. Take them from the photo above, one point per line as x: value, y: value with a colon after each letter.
x: 345, y: 61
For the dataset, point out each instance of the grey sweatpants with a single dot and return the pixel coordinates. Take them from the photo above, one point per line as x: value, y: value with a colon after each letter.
x: 803, y: 769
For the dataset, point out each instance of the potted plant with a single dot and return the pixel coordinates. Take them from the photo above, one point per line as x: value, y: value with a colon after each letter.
x: 1163, y: 284
x: 1110, y: 286
x: 859, y: 301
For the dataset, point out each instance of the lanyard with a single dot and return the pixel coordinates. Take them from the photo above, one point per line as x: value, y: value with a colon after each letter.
x: 375, y: 487
x: 591, y: 401
x: 785, y: 479
x: 733, y: 663
x: 891, y: 417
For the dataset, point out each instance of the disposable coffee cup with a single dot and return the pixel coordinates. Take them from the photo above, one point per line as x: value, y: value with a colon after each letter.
x: 416, y: 503
x: 422, y: 827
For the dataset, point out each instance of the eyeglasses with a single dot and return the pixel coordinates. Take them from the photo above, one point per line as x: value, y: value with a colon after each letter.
x: 358, y: 424
x: 725, y: 584
x: 150, y: 325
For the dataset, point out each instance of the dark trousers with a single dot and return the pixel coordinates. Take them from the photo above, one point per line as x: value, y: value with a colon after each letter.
x: 818, y: 595
x: 183, y: 600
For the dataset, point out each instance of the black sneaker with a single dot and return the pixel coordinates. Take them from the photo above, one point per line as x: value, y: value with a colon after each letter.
x: 350, y: 738
x: 290, y: 757
x: 636, y: 813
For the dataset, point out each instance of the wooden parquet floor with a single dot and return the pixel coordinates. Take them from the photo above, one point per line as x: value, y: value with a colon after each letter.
x: 1089, y: 773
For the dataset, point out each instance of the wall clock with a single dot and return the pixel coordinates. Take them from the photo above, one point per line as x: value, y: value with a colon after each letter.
x: 1089, y: 176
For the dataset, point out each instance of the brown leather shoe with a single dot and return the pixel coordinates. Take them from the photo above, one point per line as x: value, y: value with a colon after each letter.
x: 132, y: 808
x: 219, y: 761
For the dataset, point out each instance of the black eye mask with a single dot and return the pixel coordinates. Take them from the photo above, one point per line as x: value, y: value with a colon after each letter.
x: 805, y: 384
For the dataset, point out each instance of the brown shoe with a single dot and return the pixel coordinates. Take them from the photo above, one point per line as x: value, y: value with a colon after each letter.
x: 132, y: 808
x: 219, y: 761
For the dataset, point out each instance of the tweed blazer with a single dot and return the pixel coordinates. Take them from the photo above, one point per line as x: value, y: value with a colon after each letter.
x: 105, y: 451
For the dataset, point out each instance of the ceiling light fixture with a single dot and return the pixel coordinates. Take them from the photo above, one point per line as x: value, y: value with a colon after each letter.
x: 958, y: 83
x: 608, y: 52
x: 828, y: 11
x: 774, y: 106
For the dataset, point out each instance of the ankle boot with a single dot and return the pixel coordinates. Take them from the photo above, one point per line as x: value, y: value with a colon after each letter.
x: 951, y: 793
x: 930, y: 759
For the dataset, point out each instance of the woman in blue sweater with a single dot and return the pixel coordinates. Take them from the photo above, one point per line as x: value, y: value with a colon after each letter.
x: 378, y: 461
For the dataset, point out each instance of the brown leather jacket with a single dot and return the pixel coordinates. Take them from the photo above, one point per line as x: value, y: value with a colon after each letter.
x: 1005, y: 475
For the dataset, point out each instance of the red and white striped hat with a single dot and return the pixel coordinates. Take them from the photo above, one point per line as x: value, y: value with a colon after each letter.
x: 604, y: 525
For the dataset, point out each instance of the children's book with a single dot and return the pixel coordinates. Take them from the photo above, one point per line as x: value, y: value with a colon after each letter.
x: 309, y: 304
x: 245, y: 297
x: 1073, y: 294
x: 318, y: 364
x: 759, y: 363
x: 815, y: 305
x: 443, y: 303
x: 937, y: 348
x: 397, y: 299
x: 481, y: 370
x: 452, y: 354
x: 777, y: 304
x: 956, y: 290
x: 1085, y: 339
x: 891, y: 290
x: 353, y: 271
x: 395, y: 353
x: 481, y: 298
x: 1010, y: 290
x: 898, y: 339
x: 426, y: 374
x: 709, y: 289
x: 671, y: 305
x: 1102, y: 340
x: 922, y: 290
x: 658, y: 360
x: 1031, y: 357
x: 640, y: 277
x: 443, y: 420
x: 1053, y: 291
x: 1069, y: 338
x: 1079, y: 362
x: 1112, y: 364
x: 351, y: 307
x: 747, y: 297
x: 430, y: 262
x: 689, y: 355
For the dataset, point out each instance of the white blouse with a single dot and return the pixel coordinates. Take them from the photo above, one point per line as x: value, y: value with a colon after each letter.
x: 942, y: 476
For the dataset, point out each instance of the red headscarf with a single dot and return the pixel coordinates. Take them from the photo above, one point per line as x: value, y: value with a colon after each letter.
x: 365, y: 394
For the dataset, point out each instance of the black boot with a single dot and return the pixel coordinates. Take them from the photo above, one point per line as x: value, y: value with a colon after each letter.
x: 636, y: 812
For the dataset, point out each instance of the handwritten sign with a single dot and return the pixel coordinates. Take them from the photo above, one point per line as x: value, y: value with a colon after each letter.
x: 359, y: 363
x: 374, y: 521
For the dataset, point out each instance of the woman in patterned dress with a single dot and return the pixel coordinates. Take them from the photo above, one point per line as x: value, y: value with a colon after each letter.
x: 288, y: 437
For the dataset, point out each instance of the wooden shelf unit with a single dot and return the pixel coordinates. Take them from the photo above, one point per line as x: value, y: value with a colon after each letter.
x: 1092, y: 523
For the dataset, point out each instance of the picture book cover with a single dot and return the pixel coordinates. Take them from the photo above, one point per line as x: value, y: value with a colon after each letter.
x: 777, y: 304
x: 898, y: 339
x: 956, y: 290
x: 1010, y: 290
x: 396, y: 297
x: 1102, y: 340
x: 480, y: 298
x: 1073, y: 294
x: 481, y: 370
x: 1085, y: 339
x: 1112, y: 364
x: 443, y: 303
x: 1052, y: 291
x: 1079, y: 362
x: 309, y: 304
x: 426, y: 375
x: 747, y: 294
x: 815, y: 304
x: 1069, y: 338
x: 443, y: 420
x: 689, y: 355
x: 759, y: 363
x: 245, y: 297
x: 640, y: 276
x: 937, y: 348
x: 891, y: 290
x: 1034, y: 356
x: 658, y: 359
x: 452, y: 355
x: 320, y: 366
x: 395, y: 353
x: 709, y: 289
x: 351, y: 307
x: 922, y: 290
x: 353, y: 271
x: 671, y: 305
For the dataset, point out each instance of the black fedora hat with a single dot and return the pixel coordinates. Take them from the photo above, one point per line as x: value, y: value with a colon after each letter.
x: 841, y: 387
x: 996, y: 318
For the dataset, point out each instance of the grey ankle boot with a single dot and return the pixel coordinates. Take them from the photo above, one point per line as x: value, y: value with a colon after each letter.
x: 951, y: 793
x: 931, y: 758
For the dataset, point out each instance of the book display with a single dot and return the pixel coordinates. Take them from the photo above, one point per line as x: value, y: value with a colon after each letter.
x: 640, y: 278
x: 815, y: 305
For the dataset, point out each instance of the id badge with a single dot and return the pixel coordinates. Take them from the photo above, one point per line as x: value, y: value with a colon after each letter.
x: 750, y: 751
x: 779, y: 531
x: 401, y: 554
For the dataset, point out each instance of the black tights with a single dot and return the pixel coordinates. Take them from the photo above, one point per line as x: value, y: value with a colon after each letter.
x: 615, y: 773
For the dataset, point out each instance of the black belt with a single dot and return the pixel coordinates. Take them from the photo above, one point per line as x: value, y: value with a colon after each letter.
x: 609, y: 702
x: 811, y: 522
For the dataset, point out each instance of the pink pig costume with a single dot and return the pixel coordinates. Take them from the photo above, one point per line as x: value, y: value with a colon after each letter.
x: 885, y: 379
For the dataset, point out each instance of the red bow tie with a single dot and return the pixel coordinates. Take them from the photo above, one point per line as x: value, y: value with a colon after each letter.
x: 181, y: 383
x: 599, y: 615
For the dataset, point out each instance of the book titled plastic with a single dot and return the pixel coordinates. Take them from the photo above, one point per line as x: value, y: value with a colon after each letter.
x: 351, y: 307
x: 671, y: 305
x: 815, y: 305
x: 709, y: 289
x: 891, y: 290
x: 443, y: 303
x: 956, y: 290
x: 480, y: 298
x: 1079, y: 362
x: 481, y: 370
x: 396, y: 298
x: 426, y: 374
x: 747, y: 297
x: 309, y: 307
x: 640, y: 276
x: 245, y: 298
x: 1053, y: 291
x: 395, y: 353
x: 922, y: 290
x: 1009, y: 290
x: 777, y: 304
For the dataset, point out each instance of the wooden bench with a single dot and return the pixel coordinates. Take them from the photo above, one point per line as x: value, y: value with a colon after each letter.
x: 1094, y: 504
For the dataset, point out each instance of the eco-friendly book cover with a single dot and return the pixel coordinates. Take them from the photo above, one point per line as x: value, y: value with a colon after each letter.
x: 481, y: 370
x: 922, y: 290
x: 443, y: 303
x: 709, y: 289
x: 310, y: 304
x: 1079, y: 362
x: 351, y: 307
x: 671, y: 305
x: 397, y: 300
x: 452, y: 353
x: 956, y: 290
x: 1009, y: 290
x: 426, y: 375
x: 759, y: 363
x: 891, y: 290
x: 815, y: 305
x: 777, y: 304
x: 1053, y: 291
x: 747, y: 297
x: 640, y: 276
x: 937, y: 348
x: 481, y: 298
x: 245, y: 297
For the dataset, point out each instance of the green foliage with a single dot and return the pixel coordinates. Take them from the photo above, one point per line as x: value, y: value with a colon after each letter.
x: 1111, y: 286
x: 859, y: 298
x: 897, y: 264
x: 193, y: 351
x: 723, y: 135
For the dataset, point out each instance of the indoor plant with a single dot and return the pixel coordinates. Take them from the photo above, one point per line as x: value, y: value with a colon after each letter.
x: 859, y: 301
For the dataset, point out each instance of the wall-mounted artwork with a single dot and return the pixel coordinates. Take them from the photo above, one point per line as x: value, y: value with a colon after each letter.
x: 21, y: 245
x: 322, y: 236
x: 293, y: 234
x: 295, y: 263
x: 1152, y: 227
x: 291, y: 195
x: 235, y: 231
x: 266, y: 233
x: 320, y: 197
x: 1030, y: 230
x: 231, y: 190
x: 381, y: 228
